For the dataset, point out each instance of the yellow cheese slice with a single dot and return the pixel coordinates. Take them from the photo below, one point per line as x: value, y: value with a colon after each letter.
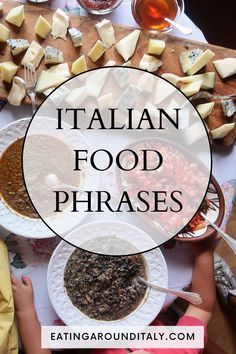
x: 97, y: 51
x: 205, y: 109
x: 16, y: 15
x: 222, y: 131
x: 191, y: 88
x: 150, y: 63
x: 156, y: 46
x: 4, y: 33
x: 47, y: 80
x: 79, y: 65
x: 225, y: 67
x: 8, y: 70
x: 33, y: 55
x: 42, y: 27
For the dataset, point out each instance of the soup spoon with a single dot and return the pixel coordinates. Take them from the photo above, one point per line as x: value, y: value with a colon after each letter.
x: 193, y: 298
x: 183, y: 29
x: 53, y: 182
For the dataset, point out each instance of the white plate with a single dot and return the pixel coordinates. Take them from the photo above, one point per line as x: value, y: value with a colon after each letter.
x: 70, y: 315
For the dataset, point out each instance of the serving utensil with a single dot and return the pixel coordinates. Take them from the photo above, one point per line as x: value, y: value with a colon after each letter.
x: 183, y: 29
x: 205, y: 94
x: 229, y: 240
x: 30, y: 81
x: 53, y: 182
x: 193, y: 298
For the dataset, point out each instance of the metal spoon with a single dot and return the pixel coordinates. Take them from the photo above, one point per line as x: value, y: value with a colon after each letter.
x: 229, y: 240
x: 183, y: 29
x: 205, y: 94
x: 53, y: 182
x: 193, y: 298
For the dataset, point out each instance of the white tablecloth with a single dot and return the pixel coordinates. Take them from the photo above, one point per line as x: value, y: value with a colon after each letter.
x: 31, y: 257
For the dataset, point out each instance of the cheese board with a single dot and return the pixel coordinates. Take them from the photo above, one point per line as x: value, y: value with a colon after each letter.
x: 168, y: 60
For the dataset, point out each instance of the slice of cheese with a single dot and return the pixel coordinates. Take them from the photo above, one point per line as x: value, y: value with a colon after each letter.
x: 156, y: 46
x: 208, y: 79
x: 146, y: 82
x: 8, y: 70
x: 106, y: 32
x: 174, y: 79
x: 4, y: 33
x: 79, y: 65
x: 205, y: 109
x: 42, y: 27
x: 222, y: 131
x: 150, y: 63
x: 53, y: 55
x: 33, y: 56
x: 97, y: 51
x: 95, y: 82
x: 47, y: 80
x: 60, y: 24
x: 163, y: 90
x: 198, y: 63
x: 187, y: 59
x: 76, y: 97
x: 16, y: 16
x: 105, y: 101
x: 61, y: 69
x: 76, y: 37
x: 18, y: 91
x: 225, y: 67
x: 58, y: 95
x: 17, y: 46
x: 191, y: 88
x: 126, y: 46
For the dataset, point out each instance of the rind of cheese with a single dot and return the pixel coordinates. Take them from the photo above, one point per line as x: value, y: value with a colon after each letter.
x: 53, y: 55
x: 60, y: 69
x: 42, y: 27
x: 4, y: 33
x: 47, y: 80
x: 17, y: 46
x: 97, y: 51
x: 79, y: 65
x: 225, y: 67
x: 76, y: 97
x: 8, y: 70
x: 60, y: 24
x: 150, y: 63
x: 126, y: 46
x: 33, y: 55
x: 105, y: 101
x: 146, y: 82
x: 199, y: 63
x: 17, y: 92
x: 106, y: 32
x: 222, y: 131
x: 191, y: 88
x: 16, y: 16
x: 156, y: 46
x: 205, y: 109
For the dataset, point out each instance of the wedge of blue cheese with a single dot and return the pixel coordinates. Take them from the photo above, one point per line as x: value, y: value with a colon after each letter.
x: 53, y: 55
x: 194, y: 60
x: 76, y: 37
x: 228, y: 107
x: 17, y: 46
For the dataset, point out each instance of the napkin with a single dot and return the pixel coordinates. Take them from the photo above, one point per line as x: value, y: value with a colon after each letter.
x: 8, y: 332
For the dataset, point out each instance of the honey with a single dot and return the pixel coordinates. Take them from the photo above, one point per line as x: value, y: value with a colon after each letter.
x: 150, y: 14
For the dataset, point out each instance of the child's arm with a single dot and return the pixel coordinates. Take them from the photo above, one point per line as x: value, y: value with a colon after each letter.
x: 203, y: 280
x: 27, y: 320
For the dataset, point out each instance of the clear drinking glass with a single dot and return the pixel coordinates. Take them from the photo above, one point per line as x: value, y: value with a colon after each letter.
x: 99, y: 7
x: 150, y: 14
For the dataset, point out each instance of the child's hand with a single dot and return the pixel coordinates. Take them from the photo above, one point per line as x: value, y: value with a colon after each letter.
x: 23, y: 295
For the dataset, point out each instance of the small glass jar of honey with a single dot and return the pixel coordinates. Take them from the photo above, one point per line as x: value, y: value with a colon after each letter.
x: 99, y: 7
x: 150, y: 14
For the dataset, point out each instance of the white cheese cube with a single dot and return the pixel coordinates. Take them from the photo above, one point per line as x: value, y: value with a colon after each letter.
x: 97, y: 51
x: 191, y: 88
x: 225, y: 67
x: 105, y: 101
x: 8, y: 70
x: 205, y: 109
x: 16, y: 16
x: 53, y: 55
x: 222, y: 131
x: 62, y: 69
x: 79, y: 65
x: 17, y: 46
x: 106, y: 32
x: 150, y: 63
x: 33, y: 56
x: 76, y: 97
x: 60, y: 24
x: 156, y: 46
x: 4, y: 33
x: 126, y: 46
x: 47, y: 80
x: 42, y: 27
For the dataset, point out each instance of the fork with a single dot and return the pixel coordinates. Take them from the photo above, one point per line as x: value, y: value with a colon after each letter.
x: 30, y: 81
x: 205, y: 94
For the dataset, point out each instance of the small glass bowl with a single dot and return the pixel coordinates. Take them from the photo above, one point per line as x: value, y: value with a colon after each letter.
x: 168, y: 28
x: 99, y: 7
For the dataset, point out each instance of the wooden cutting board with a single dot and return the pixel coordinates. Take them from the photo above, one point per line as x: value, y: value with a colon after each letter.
x: 174, y: 46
